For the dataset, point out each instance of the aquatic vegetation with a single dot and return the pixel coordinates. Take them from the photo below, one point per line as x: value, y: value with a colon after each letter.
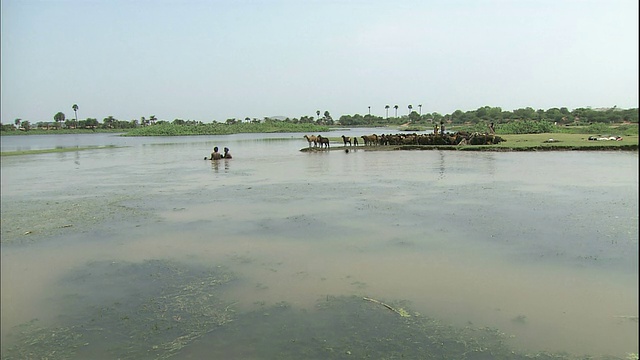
x: 129, y: 310
x: 353, y: 327
x: 224, y: 129
x: 56, y: 150
x: 179, y: 308
x: 28, y: 220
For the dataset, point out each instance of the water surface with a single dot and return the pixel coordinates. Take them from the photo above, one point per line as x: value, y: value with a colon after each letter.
x: 542, y: 246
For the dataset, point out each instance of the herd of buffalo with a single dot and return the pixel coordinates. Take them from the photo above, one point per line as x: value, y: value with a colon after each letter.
x: 457, y: 138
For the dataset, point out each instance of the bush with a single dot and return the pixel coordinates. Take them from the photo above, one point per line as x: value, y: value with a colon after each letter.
x: 168, y: 129
x: 525, y: 127
x: 627, y: 130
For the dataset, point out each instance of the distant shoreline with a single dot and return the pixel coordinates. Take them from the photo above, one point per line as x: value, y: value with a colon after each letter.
x: 512, y: 142
x: 491, y: 148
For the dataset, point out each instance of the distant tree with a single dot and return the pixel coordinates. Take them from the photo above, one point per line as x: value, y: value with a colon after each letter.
x: 327, y: 118
x: 553, y: 114
x: 153, y: 119
x: 630, y: 115
x: 303, y: 120
x: 75, y: 110
x: 108, y: 122
x: 436, y: 117
x: 386, y: 107
x: 318, y: 113
x: 579, y: 113
x: 525, y: 114
x: 91, y: 123
x: 7, y: 127
x: 458, y: 114
x: 495, y: 113
x: 369, y: 110
x: 396, y: 108
x: 58, y: 118
x: 410, y: 108
x: 17, y: 122
x: 420, y: 108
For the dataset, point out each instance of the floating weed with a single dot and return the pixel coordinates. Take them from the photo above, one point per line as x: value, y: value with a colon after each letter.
x: 161, y: 307
x: 180, y: 308
x: 352, y: 327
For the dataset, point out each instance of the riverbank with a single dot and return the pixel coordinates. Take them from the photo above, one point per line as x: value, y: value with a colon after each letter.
x: 526, y: 142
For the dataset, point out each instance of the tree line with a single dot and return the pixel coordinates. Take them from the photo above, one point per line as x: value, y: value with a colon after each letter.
x: 487, y: 114
x: 483, y: 115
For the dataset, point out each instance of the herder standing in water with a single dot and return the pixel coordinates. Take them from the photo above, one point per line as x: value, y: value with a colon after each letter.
x: 227, y: 154
x: 215, y: 155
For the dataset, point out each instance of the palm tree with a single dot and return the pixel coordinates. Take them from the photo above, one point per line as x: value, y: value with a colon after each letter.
x: 410, y: 107
x: 318, y: 113
x: 420, y: 107
x: 386, y: 107
x: 396, y: 108
x: 369, y: 110
x: 75, y: 110
x: 153, y: 119
x: 17, y: 122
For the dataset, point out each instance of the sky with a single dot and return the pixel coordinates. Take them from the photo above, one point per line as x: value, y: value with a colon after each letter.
x: 216, y: 60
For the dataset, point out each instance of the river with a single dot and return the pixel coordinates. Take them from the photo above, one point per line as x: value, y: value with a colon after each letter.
x: 540, y: 245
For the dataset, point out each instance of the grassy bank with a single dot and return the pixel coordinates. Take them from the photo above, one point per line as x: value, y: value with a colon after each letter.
x: 224, y: 129
x: 564, y: 141
x: 168, y: 129
x: 515, y: 142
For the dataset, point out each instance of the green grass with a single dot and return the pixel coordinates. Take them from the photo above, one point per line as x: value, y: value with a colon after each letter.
x: 517, y: 142
x: 224, y: 129
x: 563, y: 141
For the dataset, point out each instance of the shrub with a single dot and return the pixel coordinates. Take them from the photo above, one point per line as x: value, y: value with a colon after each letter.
x: 525, y: 127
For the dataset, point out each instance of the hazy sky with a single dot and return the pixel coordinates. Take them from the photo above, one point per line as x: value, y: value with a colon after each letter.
x: 215, y: 60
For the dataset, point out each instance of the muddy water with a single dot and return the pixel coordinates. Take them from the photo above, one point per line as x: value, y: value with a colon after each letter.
x: 542, y: 246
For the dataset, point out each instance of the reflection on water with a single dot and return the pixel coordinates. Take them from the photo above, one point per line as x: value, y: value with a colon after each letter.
x: 537, y: 246
x: 216, y: 165
x: 442, y: 167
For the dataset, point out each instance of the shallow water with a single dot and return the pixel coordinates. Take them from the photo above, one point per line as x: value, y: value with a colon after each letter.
x: 542, y: 246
